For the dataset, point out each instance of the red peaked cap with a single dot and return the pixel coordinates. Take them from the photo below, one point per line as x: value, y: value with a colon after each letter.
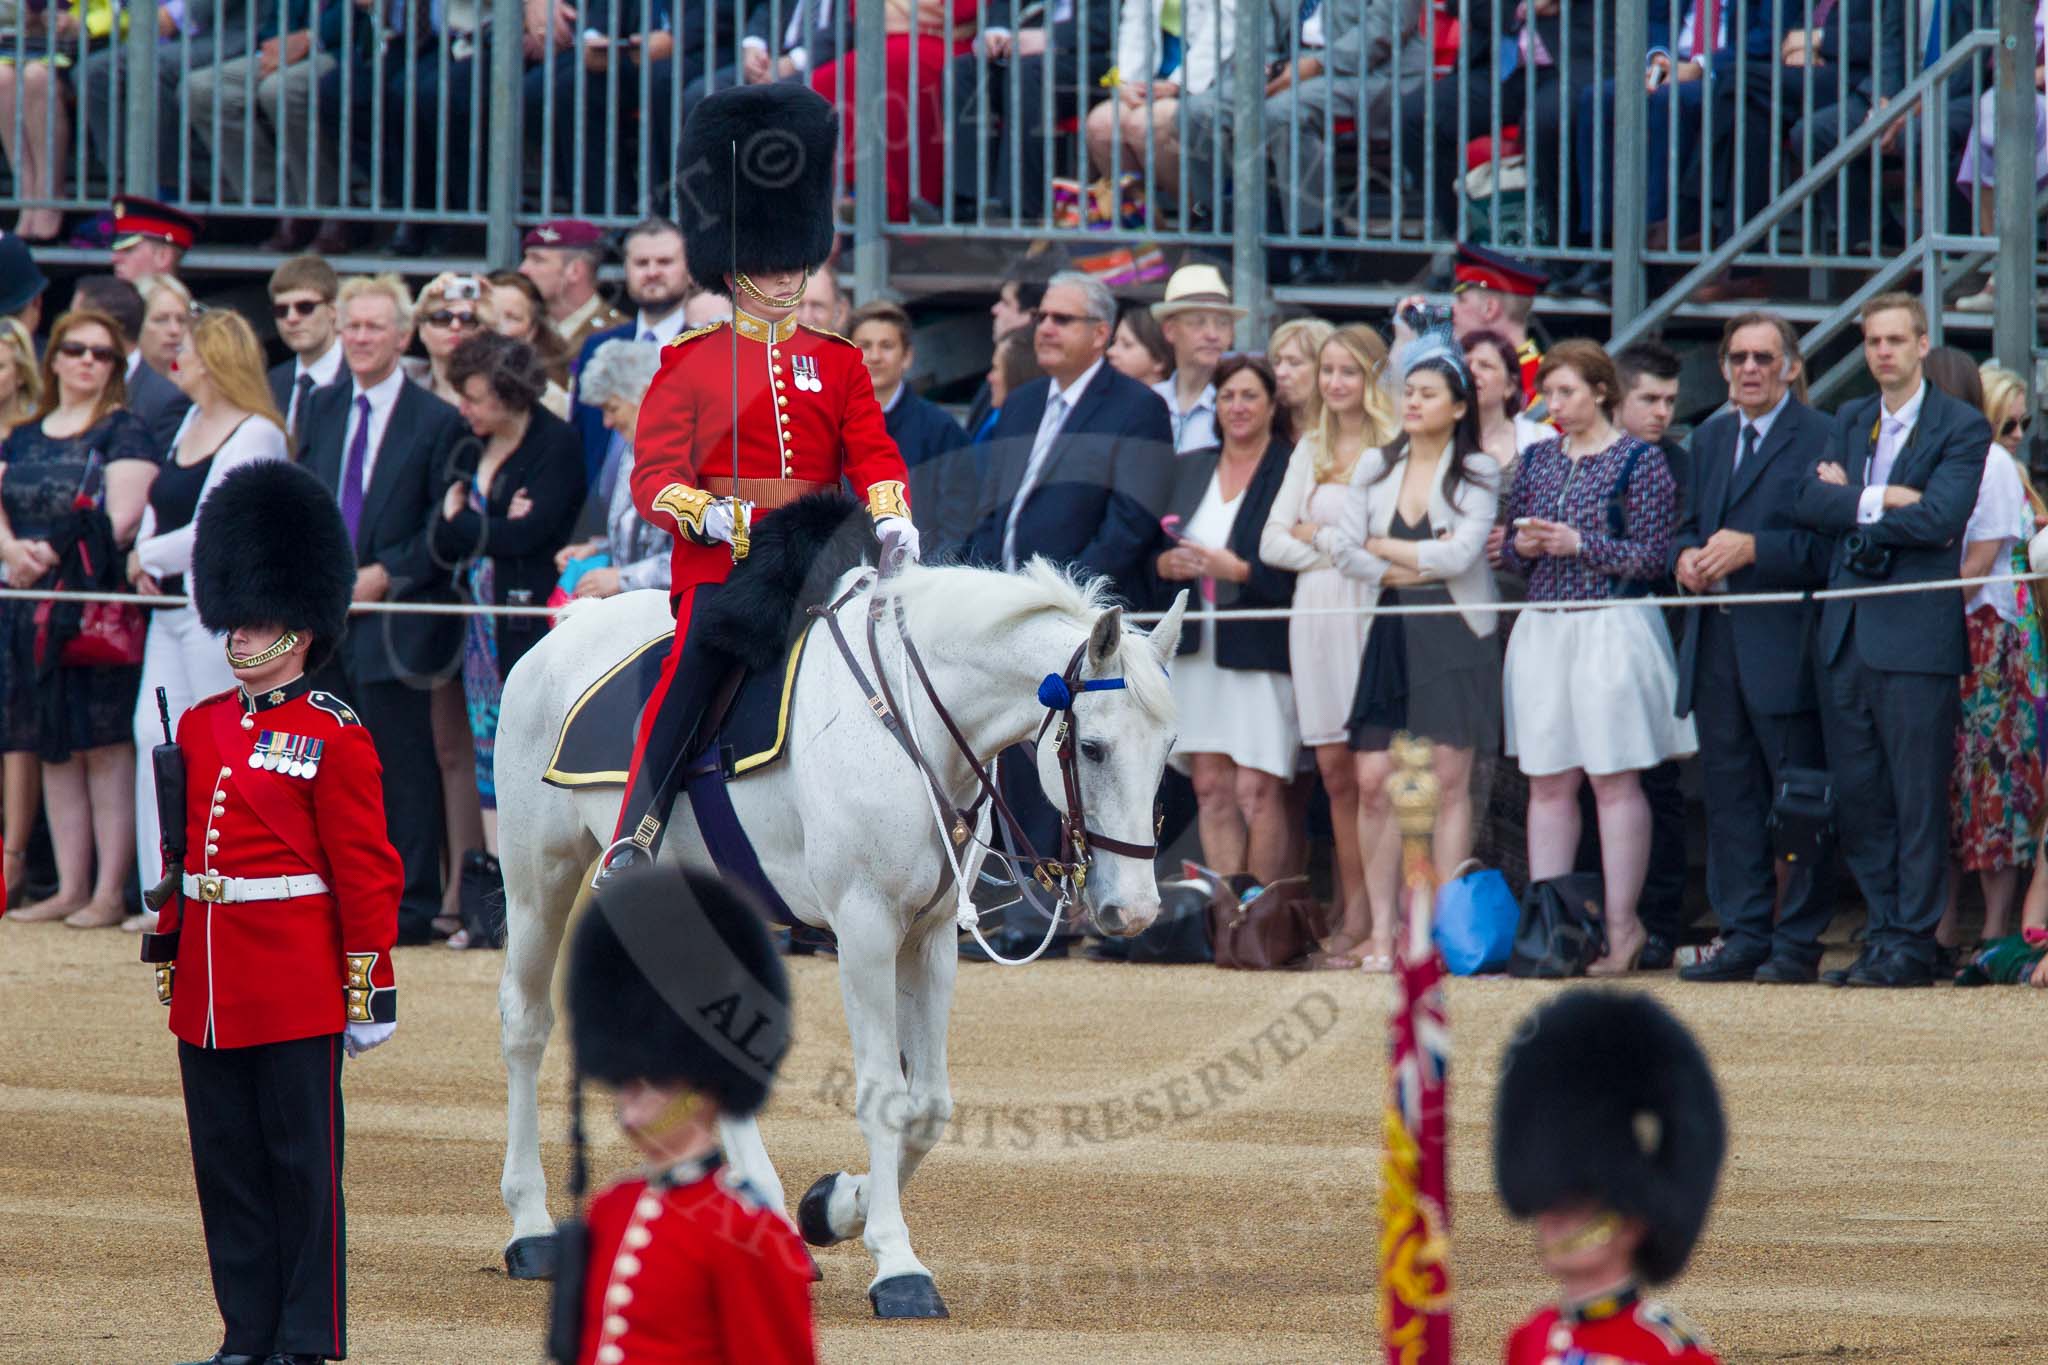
x: 1481, y: 268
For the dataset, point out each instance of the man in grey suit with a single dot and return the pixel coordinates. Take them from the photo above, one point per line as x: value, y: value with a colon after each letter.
x: 1746, y: 673
x: 156, y: 400
x: 1897, y: 487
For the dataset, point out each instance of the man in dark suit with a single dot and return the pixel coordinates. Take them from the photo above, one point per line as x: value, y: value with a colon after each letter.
x: 1080, y: 467
x: 384, y: 445
x: 658, y: 283
x: 1897, y: 487
x: 156, y: 400
x: 943, y: 483
x: 302, y: 292
x: 1003, y: 123
x: 1080, y: 462
x: 1746, y: 674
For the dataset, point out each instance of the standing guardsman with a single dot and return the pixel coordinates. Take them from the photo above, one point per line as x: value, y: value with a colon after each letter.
x: 1608, y: 1134
x: 754, y: 177
x: 677, y: 1001
x: 273, y: 944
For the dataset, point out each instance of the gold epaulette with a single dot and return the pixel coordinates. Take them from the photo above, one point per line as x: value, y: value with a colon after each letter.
x: 825, y: 333
x: 696, y: 332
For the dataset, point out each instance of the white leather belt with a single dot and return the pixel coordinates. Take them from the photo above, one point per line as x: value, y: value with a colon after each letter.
x: 229, y: 890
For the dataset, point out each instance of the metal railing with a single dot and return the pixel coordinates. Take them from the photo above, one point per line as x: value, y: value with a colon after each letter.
x: 1347, y: 136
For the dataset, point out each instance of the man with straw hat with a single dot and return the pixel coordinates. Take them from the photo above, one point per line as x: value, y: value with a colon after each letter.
x: 1198, y: 319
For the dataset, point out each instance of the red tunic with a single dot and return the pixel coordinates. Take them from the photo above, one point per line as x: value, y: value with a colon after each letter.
x: 807, y: 410
x: 270, y: 971
x: 1620, y: 1331
x: 693, y: 1271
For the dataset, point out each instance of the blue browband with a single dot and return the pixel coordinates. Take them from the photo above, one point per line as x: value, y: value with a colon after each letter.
x: 1054, y: 694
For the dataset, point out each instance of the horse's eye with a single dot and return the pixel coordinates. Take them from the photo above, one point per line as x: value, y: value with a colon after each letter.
x: 1094, y: 750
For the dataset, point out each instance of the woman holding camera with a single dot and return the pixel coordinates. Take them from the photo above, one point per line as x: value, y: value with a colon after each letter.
x: 511, y: 503
x: 1590, y: 692
x: 449, y: 311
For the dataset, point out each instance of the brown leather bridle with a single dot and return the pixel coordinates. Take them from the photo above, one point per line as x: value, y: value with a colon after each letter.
x: 1066, y: 877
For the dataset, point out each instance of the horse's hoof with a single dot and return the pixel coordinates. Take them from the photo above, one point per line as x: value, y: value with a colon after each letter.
x: 812, y: 1218
x: 907, y: 1296
x: 531, y: 1258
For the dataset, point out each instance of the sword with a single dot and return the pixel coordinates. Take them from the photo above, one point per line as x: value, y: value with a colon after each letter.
x: 732, y: 228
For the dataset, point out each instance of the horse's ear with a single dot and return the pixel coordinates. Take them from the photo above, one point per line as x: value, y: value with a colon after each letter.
x: 1106, y: 639
x: 1166, y: 635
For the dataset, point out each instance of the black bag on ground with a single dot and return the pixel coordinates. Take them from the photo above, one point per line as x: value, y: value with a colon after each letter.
x: 482, y: 897
x: 1179, y: 935
x: 1562, y: 931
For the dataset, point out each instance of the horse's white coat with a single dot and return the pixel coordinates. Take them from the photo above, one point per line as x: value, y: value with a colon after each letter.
x: 844, y: 833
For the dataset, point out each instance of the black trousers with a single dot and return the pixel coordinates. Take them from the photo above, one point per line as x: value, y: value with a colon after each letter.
x: 1446, y: 177
x: 266, y: 1126
x: 400, y: 719
x: 1891, y: 743
x: 672, y: 734
x: 1742, y: 751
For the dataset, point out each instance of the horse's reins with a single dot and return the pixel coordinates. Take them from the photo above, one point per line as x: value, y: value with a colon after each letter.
x: 1065, y: 877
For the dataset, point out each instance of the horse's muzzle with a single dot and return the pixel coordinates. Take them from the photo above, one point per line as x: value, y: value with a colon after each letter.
x: 1114, y: 920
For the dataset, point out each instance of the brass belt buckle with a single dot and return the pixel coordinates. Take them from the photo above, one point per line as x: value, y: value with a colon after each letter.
x: 213, y: 890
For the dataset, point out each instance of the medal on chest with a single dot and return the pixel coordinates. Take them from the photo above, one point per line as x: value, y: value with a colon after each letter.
x: 805, y: 370
x: 286, y: 755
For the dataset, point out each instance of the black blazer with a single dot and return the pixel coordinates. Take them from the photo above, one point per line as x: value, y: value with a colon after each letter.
x: 1096, y: 505
x: 1259, y: 645
x: 159, y: 403
x: 1790, y: 557
x: 548, y: 464
x: 1918, y: 632
x: 406, y: 483
x: 944, y: 477
x: 281, y: 388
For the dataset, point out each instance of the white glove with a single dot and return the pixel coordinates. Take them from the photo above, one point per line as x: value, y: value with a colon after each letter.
x: 360, y: 1038
x: 722, y: 515
x: 899, y: 537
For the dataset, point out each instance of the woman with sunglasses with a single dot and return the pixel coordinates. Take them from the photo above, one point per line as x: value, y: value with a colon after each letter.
x: 451, y: 310
x: 78, y: 475
x: 232, y: 420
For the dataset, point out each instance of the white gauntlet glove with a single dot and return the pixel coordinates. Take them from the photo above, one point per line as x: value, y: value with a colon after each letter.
x: 722, y: 516
x: 360, y: 1038
x: 899, y: 540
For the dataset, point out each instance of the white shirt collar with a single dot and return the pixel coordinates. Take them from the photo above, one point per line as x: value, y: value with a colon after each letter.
x: 895, y: 398
x: 383, y: 393
x: 1764, y: 423
x: 134, y: 364
x: 324, y: 369
x: 1908, y: 415
x: 1080, y: 386
x: 665, y: 329
x: 1169, y: 389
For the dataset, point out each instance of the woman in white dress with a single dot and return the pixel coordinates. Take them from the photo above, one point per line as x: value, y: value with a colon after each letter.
x: 1351, y: 415
x: 232, y: 421
x: 1238, y: 740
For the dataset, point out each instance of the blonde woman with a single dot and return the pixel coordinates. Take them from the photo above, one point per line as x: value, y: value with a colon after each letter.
x: 1292, y: 352
x: 21, y: 384
x: 2005, y: 407
x: 1351, y: 414
x: 232, y: 420
x: 166, y: 317
x: 449, y: 311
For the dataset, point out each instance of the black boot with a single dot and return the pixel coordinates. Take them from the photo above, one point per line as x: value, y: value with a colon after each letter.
x: 643, y: 817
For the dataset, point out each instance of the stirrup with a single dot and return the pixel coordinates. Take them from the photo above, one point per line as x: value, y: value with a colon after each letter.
x: 622, y: 854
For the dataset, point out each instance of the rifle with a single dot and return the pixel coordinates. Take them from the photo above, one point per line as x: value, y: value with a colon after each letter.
x: 167, y: 762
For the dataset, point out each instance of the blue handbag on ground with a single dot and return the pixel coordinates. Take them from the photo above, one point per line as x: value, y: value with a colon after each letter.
x: 1475, y: 921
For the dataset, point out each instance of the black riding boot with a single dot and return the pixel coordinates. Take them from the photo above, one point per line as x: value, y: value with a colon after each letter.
x: 671, y: 740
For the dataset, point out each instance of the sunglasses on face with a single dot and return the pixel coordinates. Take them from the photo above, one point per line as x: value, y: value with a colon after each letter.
x: 1763, y: 360
x: 2015, y: 426
x: 454, y: 321
x: 1042, y: 315
x: 78, y: 350
x: 296, y: 308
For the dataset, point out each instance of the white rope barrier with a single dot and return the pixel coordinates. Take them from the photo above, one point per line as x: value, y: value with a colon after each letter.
x: 1687, y: 602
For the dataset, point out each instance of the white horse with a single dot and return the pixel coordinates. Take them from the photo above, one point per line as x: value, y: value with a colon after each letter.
x: 844, y: 828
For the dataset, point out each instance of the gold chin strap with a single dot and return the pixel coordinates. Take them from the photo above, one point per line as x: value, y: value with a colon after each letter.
x: 748, y: 286
x: 1593, y: 1233
x: 674, y: 1116
x: 284, y: 646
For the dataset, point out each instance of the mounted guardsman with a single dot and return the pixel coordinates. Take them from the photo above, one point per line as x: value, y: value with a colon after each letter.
x: 678, y: 1002
x: 277, y: 915
x: 1608, y: 1132
x: 748, y: 416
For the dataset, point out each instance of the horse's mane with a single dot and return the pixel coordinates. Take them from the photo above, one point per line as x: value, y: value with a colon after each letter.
x: 943, y: 600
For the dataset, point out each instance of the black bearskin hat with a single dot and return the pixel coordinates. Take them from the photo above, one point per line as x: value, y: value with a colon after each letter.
x: 673, y: 979
x: 756, y: 161
x: 1606, y: 1098
x: 271, y: 550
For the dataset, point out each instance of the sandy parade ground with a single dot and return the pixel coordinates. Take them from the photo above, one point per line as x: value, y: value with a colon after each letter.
x: 1146, y: 1164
